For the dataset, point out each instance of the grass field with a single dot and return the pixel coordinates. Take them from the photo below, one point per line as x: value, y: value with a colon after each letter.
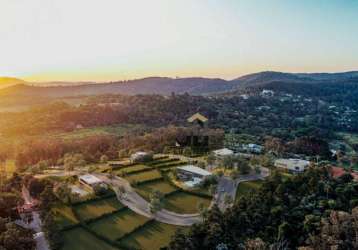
x: 118, y: 224
x: 130, y: 169
x: 79, y: 239
x: 145, y: 176
x: 146, y: 189
x: 245, y: 188
x: 184, y: 203
x: 97, y: 208
x: 153, y: 236
x: 64, y: 216
x: 106, y: 130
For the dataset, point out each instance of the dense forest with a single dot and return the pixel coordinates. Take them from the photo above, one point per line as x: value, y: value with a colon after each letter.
x: 285, y: 213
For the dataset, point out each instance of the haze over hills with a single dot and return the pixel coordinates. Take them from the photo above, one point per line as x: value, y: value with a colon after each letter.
x: 195, y: 85
x: 9, y: 81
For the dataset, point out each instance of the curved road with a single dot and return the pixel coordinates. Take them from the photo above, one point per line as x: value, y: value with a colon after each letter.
x: 139, y: 205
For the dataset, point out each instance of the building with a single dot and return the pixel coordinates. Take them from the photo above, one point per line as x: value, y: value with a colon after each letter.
x: 253, y: 148
x: 292, y: 165
x: 141, y: 157
x: 191, y: 173
x: 91, y: 181
x: 337, y: 172
x: 220, y: 153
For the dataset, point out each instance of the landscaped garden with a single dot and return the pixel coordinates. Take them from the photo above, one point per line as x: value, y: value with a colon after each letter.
x: 247, y: 187
x: 185, y: 203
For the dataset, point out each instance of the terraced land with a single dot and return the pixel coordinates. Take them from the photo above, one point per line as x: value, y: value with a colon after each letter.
x: 64, y: 216
x: 90, y: 210
x: 148, y: 188
x: 144, y: 176
x: 153, y: 235
x: 130, y: 169
x: 184, y: 203
x: 116, y: 225
x: 80, y: 239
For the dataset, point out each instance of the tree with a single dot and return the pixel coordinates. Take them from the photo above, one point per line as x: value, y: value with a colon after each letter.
x: 228, y: 162
x: 104, y: 159
x: 243, y: 166
x: 155, y: 203
x: 228, y: 200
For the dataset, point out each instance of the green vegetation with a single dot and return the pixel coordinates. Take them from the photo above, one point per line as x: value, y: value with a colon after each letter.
x: 115, y: 226
x: 184, y: 203
x: 64, y: 216
x: 153, y: 235
x: 146, y: 189
x: 247, y: 187
x: 130, y: 169
x: 90, y: 210
x: 80, y: 239
x: 98, y: 131
x: 144, y: 176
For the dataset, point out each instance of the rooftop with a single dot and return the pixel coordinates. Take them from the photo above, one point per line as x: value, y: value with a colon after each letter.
x: 90, y: 179
x: 223, y: 152
x: 195, y: 170
x: 197, y: 116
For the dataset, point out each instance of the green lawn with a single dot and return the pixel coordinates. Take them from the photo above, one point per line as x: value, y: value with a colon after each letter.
x: 146, y: 189
x: 145, y: 176
x: 64, y: 215
x: 184, y: 203
x: 79, y: 239
x: 115, y: 226
x: 105, y: 130
x: 130, y: 169
x: 247, y: 187
x: 153, y: 236
x: 97, y: 208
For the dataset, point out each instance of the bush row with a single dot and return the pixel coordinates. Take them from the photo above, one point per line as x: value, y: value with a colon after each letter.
x: 91, y: 220
x: 149, y: 181
x: 139, y: 227
x: 99, y: 198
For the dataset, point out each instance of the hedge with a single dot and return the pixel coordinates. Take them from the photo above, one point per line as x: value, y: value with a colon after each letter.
x: 91, y: 220
x: 103, y: 197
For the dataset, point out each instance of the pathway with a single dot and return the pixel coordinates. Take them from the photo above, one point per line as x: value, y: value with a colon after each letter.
x: 39, y: 236
x: 139, y: 205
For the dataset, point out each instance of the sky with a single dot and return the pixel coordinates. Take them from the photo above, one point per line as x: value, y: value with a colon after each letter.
x: 107, y: 40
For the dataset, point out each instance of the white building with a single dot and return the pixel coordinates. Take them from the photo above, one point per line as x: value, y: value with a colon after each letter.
x: 91, y: 181
x: 292, y: 165
x: 223, y: 152
x: 192, y: 175
x: 252, y: 148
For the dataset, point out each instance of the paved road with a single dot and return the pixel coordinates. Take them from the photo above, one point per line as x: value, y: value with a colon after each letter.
x: 139, y: 205
x: 228, y: 186
x: 39, y: 237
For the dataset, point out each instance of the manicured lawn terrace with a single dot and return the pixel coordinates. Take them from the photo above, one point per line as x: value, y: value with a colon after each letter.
x: 80, y: 239
x: 115, y: 226
x: 144, y: 176
x: 245, y: 188
x: 184, y: 203
x: 130, y: 169
x: 154, y: 235
x: 64, y: 216
x: 148, y: 188
x: 95, y: 209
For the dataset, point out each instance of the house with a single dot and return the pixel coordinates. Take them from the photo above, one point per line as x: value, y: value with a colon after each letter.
x: 223, y: 152
x: 141, y: 157
x: 198, y: 119
x: 337, y: 172
x: 267, y: 93
x: 252, y: 148
x: 191, y: 174
x: 91, y: 181
x: 292, y: 165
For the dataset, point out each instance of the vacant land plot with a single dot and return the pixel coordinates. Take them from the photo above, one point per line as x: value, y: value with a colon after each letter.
x: 146, y: 189
x: 80, y: 239
x: 131, y: 169
x: 144, y: 176
x: 115, y: 226
x: 64, y: 215
x: 153, y: 236
x: 95, y: 209
x: 184, y: 203
x: 247, y: 187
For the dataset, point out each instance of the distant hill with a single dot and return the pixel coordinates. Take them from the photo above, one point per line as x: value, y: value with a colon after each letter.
x: 9, y: 81
x: 290, y: 82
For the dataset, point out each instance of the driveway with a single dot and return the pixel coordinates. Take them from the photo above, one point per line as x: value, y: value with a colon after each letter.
x: 39, y: 236
x: 228, y: 186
